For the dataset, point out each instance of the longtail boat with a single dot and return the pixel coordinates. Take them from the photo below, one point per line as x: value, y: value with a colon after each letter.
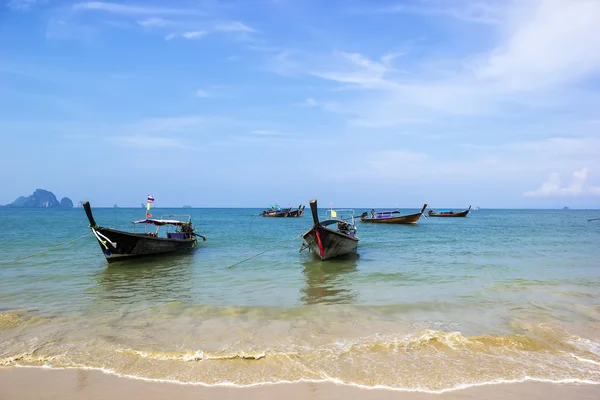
x: 334, y: 237
x: 391, y: 217
x: 119, y: 245
x: 298, y: 212
x: 276, y: 212
x: 449, y: 213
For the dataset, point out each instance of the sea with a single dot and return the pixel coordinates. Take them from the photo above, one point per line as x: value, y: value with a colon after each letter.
x: 449, y: 303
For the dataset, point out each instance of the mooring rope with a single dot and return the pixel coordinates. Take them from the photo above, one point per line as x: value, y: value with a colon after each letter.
x: 266, y: 251
x: 44, y: 251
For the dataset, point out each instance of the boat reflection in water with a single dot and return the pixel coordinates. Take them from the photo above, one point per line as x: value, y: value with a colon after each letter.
x: 331, y: 282
x: 157, y: 280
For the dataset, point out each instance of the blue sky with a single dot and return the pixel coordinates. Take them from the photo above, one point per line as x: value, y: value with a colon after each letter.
x: 250, y: 102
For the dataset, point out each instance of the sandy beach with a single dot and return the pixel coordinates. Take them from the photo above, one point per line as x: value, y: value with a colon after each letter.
x: 42, y: 384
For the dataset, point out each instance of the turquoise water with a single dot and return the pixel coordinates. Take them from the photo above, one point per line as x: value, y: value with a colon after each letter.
x: 501, y: 295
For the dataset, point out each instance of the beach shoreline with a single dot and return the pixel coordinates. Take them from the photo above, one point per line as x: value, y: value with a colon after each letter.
x: 46, y: 383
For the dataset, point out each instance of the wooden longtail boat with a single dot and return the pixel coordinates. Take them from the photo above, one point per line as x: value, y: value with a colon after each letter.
x: 276, y: 212
x: 119, y: 245
x: 391, y: 217
x: 334, y: 237
x: 298, y: 212
x: 449, y: 213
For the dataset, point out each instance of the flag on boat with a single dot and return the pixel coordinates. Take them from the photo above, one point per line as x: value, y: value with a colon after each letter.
x: 148, y: 206
x: 333, y: 214
x: 150, y: 199
x: 148, y: 215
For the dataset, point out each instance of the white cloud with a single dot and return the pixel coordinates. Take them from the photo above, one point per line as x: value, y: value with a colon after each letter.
x: 548, y: 43
x: 193, y: 34
x: 543, y: 48
x: 354, y: 68
x: 389, y: 58
x: 154, y: 23
x: 116, y: 8
x: 23, y: 5
x: 484, y: 12
x: 513, y: 166
x: 232, y: 26
x: 201, y: 93
x: 310, y: 102
x: 553, y: 186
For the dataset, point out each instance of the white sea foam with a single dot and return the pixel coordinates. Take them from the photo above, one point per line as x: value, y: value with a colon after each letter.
x: 324, y: 380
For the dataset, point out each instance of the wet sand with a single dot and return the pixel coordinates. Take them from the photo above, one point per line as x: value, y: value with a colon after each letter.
x: 42, y: 384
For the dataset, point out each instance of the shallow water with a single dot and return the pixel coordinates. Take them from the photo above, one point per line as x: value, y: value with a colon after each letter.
x: 500, y: 295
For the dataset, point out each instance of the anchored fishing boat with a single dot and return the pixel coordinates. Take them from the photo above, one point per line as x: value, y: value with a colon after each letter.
x: 334, y: 237
x: 449, y: 213
x: 276, y: 212
x: 391, y: 217
x: 298, y: 212
x: 119, y: 245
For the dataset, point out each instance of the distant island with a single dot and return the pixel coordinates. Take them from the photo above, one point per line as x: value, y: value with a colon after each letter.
x: 41, y: 199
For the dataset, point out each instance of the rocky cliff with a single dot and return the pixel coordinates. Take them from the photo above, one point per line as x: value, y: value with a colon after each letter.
x: 41, y: 199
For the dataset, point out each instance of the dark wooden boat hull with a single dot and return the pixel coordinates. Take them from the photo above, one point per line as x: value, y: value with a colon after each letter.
x: 279, y: 214
x: 296, y: 213
x: 458, y: 214
x: 118, y: 245
x: 333, y: 244
x: 402, y: 219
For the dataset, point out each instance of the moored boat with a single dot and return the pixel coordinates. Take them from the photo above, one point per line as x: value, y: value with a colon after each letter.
x: 449, y: 213
x: 119, y: 245
x: 333, y: 237
x: 276, y: 212
x: 298, y: 212
x: 391, y: 217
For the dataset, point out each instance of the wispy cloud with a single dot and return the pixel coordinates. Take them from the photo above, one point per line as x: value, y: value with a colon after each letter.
x: 518, y: 165
x: 190, y: 35
x: 193, y: 34
x: 154, y: 22
x: 232, y: 26
x: 181, y: 21
x: 116, y: 8
x: 201, y: 93
x: 484, y: 12
x: 23, y: 5
x: 553, y: 187
x: 544, y: 47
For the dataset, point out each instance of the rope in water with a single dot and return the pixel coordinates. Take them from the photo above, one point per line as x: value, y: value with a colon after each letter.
x: 44, y: 251
x: 266, y: 251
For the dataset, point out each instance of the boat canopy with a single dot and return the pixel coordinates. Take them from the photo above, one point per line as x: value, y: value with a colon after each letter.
x: 387, y: 212
x: 160, y: 222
